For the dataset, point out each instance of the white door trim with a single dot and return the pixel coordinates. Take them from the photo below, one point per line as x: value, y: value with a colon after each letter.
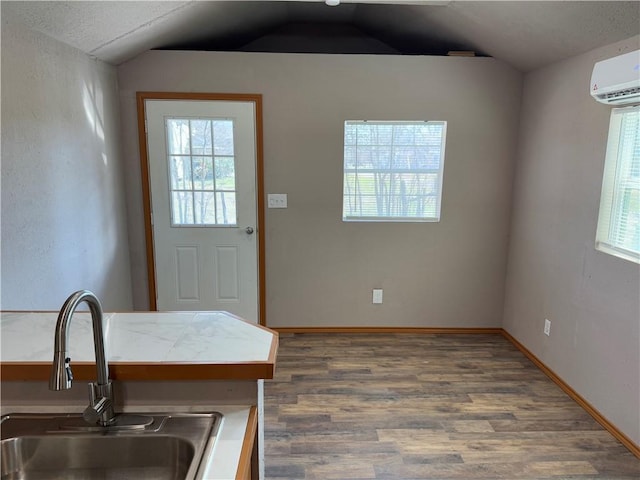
x: 146, y: 189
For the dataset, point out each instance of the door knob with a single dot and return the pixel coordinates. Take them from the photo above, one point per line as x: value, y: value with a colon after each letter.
x: 249, y: 230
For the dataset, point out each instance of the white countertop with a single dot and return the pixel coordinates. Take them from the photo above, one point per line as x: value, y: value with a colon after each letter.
x: 194, y: 337
x: 141, y: 346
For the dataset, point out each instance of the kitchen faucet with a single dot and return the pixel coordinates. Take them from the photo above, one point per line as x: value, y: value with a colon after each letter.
x: 100, y: 409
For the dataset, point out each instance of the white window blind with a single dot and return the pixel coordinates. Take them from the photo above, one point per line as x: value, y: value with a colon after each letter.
x: 619, y: 217
x: 393, y: 170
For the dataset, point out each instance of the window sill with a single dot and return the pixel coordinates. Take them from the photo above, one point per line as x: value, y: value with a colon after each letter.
x: 390, y: 220
x: 617, y: 252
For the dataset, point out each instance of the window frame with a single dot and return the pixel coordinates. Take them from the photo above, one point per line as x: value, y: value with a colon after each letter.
x: 438, y: 171
x: 614, y: 185
x: 191, y: 154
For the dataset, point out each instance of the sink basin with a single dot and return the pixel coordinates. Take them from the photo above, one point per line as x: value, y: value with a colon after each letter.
x: 169, y: 446
x: 75, y: 457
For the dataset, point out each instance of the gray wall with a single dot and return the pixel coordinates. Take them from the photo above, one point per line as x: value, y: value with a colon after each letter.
x: 554, y: 271
x: 320, y: 271
x: 63, y: 212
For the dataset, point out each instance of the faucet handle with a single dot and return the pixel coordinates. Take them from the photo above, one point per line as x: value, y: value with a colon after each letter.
x: 67, y: 368
x: 93, y: 413
x: 100, y: 409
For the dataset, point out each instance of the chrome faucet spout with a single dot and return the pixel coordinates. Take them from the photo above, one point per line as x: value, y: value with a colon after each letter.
x: 61, y: 374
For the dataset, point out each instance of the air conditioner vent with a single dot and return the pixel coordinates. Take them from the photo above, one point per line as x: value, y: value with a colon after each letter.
x: 621, y: 95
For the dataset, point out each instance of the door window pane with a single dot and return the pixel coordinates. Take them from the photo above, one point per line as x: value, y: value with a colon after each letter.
x: 204, y: 208
x: 203, y: 173
x: 223, y: 135
x: 182, y: 208
x: 225, y: 174
x: 201, y: 140
x: 180, y: 173
x: 202, y: 170
x: 225, y: 207
x: 178, y: 136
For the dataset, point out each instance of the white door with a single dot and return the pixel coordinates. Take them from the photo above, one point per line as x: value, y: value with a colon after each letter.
x: 202, y: 177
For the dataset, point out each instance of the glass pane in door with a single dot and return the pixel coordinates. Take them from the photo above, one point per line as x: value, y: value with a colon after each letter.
x: 201, y: 163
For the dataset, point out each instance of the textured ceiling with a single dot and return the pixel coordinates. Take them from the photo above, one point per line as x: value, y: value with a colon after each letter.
x: 525, y: 34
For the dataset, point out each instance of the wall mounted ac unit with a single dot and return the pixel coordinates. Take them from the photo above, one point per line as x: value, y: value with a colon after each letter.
x: 616, y: 81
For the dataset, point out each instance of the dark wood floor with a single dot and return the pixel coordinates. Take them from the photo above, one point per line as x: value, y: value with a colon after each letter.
x: 378, y: 406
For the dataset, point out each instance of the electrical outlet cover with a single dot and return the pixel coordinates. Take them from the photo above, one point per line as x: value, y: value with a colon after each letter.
x: 377, y: 295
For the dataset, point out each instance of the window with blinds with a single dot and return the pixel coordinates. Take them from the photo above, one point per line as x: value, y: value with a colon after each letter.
x: 619, y: 218
x: 393, y: 170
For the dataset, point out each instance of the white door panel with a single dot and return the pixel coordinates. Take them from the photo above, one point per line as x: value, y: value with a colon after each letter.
x: 202, y: 176
x: 187, y: 273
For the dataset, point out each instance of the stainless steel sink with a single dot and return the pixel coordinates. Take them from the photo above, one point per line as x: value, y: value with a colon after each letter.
x: 169, y: 446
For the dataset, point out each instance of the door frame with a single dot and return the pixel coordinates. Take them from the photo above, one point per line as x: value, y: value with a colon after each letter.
x: 256, y: 98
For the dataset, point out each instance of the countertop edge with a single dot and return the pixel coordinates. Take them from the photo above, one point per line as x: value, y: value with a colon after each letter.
x: 40, y: 371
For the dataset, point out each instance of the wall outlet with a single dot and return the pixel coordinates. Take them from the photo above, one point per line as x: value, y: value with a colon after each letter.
x: 377, y: 295
x: 277, y: 200
x: 547, y: 327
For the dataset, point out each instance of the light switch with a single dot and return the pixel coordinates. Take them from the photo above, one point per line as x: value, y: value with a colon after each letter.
x: 277, y: 200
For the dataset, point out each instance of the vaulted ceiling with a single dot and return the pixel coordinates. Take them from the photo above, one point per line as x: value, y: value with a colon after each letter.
x: 524, y: 34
